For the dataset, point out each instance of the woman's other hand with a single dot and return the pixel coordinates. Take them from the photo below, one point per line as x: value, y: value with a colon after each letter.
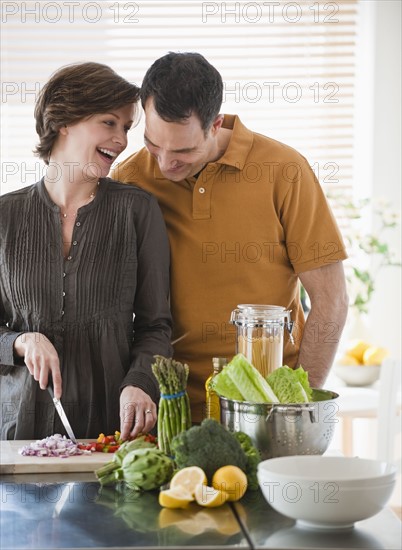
x: 138, y: 412
x: 41, y: 359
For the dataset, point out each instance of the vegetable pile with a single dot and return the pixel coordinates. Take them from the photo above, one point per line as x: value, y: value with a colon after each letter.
x: 110, y: 443
x: 240, y: 381
x: 104, y: 444
x: 210, y: 446
x: 139, y: 463
x: 174, y: 414
x: 54, y: 445
x: 206, y: 464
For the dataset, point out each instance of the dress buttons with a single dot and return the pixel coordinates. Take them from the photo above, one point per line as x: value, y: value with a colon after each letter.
x: 64, y: 293
x: 62, y: 312
x: 75, y: 243
x: 69, y: 258
x: 64, y: 274
x: 201, y: 190
x: 78, y: 224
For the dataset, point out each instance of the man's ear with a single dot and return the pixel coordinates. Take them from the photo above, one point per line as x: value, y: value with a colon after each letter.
x: 217, y: 123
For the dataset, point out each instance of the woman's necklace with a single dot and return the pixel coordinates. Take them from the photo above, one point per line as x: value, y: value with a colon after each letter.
x: 89, y: 199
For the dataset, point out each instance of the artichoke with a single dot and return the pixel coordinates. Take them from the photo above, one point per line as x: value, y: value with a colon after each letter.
x: 143, y: 468
x: 146, y: 469
x: 109, y: 472
x: 139, y: 443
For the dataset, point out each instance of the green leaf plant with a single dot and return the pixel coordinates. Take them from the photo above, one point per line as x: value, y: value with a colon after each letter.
x: 369, y: 252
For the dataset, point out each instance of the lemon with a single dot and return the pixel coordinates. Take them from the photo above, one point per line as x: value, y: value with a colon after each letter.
x: 374, y: 355
x: 347, y: 360
x: 189, y: 478
x: 356, y: 349
x: 175, y: 498
x: 210, y: 497
x: 232, y: 480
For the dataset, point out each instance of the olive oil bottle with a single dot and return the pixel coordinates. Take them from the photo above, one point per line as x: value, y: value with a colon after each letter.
x: 212, y: 399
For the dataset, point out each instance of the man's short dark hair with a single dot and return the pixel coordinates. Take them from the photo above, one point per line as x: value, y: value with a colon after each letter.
x: 181, y: 85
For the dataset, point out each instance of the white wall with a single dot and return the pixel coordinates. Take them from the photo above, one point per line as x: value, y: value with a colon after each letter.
x: 385, y: 311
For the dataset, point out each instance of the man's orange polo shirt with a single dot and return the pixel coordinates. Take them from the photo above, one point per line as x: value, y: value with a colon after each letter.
x: 239, y: 233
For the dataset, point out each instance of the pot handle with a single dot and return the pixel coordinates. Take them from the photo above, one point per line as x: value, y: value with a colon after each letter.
x: 297, y: 409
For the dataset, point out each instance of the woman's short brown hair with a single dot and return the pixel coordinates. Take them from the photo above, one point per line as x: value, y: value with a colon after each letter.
x: 74, y: 93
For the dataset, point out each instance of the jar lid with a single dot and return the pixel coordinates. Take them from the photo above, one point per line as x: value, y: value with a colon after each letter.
x: 258, y: 314
x: 218, y: 363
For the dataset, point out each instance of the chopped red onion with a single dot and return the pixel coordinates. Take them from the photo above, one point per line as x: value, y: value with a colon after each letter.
x: 54, y: 445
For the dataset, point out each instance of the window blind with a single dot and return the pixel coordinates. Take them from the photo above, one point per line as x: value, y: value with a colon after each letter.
x: 289, y: 68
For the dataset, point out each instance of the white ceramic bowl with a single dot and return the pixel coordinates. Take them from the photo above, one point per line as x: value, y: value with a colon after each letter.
x: 357, y: 375
x: 326, y: 492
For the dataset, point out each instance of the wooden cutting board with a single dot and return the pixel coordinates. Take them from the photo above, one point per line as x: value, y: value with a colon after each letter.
x: 11, y: 462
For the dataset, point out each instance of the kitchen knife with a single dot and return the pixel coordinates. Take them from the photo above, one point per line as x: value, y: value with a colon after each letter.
x: 62, y: 414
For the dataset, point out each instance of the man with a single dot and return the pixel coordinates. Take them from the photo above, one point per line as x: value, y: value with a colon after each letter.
x: 247, y: 222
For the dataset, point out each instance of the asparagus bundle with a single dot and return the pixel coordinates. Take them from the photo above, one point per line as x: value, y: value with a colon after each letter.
x: 174, y: 414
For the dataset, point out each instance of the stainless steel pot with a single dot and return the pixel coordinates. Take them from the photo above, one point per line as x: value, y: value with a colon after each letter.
x: 284, y: 429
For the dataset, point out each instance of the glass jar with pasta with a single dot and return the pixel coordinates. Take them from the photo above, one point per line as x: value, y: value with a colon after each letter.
x: 259, y: 334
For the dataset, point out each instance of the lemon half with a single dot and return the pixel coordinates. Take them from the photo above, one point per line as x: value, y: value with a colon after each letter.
x: 189, y: 478
x: 210, y: 497
x: 175, y: 498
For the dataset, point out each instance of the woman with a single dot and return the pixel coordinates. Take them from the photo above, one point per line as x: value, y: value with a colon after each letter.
x: 84, y: 271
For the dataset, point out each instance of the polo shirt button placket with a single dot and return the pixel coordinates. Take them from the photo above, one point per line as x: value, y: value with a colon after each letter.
x: 202, y: 200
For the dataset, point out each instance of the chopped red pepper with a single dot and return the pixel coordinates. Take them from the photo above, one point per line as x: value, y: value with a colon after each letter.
x: 111, y: 443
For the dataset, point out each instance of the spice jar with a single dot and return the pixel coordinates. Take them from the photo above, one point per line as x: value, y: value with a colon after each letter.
x: 259, y: 334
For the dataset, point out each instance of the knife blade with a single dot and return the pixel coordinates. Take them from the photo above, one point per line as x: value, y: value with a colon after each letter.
x: 62, y: 415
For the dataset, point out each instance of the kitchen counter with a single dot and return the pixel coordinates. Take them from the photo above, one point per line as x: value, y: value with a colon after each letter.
x: 266, y: 528
x: 70, y: 510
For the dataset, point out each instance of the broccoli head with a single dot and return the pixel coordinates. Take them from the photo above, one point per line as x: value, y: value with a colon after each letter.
x: 253, y: 458
x: 209, y: 446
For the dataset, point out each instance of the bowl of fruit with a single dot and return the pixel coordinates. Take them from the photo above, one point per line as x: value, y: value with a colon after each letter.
x: 360, y: 364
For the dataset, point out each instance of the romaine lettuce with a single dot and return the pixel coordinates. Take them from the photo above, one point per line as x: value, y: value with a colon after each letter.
x: 224, y: 386
x: 290, y: 385
x: 246, y: 381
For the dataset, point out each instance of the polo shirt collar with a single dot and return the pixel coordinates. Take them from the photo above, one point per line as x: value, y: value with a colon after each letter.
x: 239, y: 145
